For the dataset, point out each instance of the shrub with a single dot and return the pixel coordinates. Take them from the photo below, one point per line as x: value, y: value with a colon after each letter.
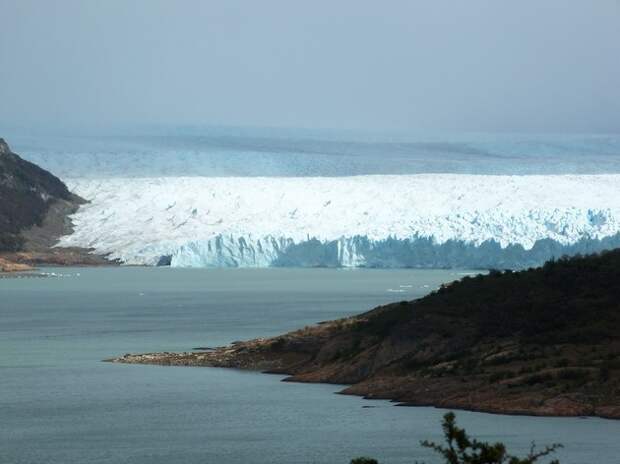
x: 574, y: 374
x: 461, y: 449
x: 364, y: 460
x: 603, y: 374
x: 500, y: 375
x: 538, y: 378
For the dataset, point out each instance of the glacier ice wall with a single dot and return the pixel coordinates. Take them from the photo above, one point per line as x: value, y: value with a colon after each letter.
x: 425, y: 220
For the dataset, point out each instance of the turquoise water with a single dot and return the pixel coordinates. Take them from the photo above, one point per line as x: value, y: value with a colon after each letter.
x: 60, y: 404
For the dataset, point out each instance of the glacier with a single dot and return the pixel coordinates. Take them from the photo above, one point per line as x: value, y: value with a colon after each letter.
x: 418, y: 220
x: 249, y: 152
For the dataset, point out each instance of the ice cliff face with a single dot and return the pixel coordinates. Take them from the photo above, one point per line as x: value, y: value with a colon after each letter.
x: 436, y: 220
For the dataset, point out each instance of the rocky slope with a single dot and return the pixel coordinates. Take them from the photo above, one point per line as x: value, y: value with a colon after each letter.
x: 34, y: 213
x: 543, y: 341
x: 11, y: 266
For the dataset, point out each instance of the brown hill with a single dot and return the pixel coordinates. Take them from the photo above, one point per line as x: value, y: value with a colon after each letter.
x: 542, y: 341
x: 34, y: 212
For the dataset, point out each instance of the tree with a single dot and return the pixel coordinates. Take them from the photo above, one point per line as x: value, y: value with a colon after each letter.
x: 461, y: 449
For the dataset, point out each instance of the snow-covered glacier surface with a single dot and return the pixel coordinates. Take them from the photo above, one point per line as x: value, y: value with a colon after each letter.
x: 424, y: 220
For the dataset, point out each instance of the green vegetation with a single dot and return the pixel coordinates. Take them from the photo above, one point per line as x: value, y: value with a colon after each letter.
x: 538, y: 341
x: 554, y: 327
x: 567, y: 300
x: 364, y: 460
x: 459, y: 448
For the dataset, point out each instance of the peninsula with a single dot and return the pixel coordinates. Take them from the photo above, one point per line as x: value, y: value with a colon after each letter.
x: 543, y: 341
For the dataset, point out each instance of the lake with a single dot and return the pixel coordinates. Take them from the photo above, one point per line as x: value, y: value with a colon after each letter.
x: 60, y: 404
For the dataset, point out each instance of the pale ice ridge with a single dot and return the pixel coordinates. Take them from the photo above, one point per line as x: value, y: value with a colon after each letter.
x: 249, y: 152
x: 262, y: 221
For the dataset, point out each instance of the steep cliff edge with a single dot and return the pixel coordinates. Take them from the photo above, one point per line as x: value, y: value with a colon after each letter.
x: 543, y: 341
x: 34, y: 212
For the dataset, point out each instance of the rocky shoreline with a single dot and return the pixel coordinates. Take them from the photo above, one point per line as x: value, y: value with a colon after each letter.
x: 294, y: 355
x: 31, y: 260
x: 440, y: 393
x: 7, y: 266
x: 543, y: 341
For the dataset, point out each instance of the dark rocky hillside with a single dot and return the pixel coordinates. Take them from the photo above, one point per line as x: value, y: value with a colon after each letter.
x: 543, y: 341
x: 27, y: 193
x: 34, y: 212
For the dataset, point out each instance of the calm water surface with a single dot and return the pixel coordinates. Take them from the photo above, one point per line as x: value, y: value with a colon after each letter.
x: 60, y: 404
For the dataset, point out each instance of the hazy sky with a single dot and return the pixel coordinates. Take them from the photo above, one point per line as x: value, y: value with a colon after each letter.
x: 420, y: 65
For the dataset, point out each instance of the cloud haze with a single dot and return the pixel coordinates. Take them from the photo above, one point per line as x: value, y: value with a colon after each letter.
x: 436, y: 65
